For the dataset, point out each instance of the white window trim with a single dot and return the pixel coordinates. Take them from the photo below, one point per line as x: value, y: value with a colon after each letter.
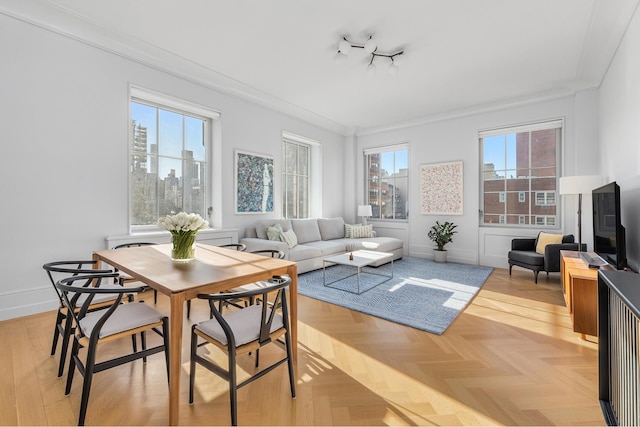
x: 315, y: 172
x: 385, y: 149
x: 212, y: 135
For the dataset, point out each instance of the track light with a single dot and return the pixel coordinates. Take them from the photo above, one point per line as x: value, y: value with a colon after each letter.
x: 397, y: 59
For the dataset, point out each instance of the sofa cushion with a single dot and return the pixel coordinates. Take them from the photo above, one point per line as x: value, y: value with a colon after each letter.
x: 329, y: 247
x: 331, y: 228
x: 348, y: 228
x: 361, y: 231
x: 261, y: 226
x: 273, y: 233
x: 303, y: 252
x: 380, y: 244
x: 545, y: 239
x: 306, y: 230
x: 289, y: 237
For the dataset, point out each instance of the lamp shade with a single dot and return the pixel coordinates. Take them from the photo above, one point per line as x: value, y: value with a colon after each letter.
x: 365, y: 210
x: 579, y: 184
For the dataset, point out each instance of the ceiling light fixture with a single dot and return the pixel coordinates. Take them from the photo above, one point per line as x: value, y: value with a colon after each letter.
x: 397, y: 59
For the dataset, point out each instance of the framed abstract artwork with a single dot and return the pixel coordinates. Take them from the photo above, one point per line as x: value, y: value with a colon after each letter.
x: 441, y: 189
x: 253, y: 183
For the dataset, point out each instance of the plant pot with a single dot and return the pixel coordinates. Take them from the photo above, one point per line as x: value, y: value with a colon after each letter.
x: 439, y: 256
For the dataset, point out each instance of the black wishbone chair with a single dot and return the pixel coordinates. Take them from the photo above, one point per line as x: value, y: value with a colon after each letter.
x: 61, y: 269
x: 128, y: 279
x: 244, y: 302
x: 241, y: 332
x: 96, y: 327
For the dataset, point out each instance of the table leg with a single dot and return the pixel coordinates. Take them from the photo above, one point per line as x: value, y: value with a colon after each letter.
x: 292, y: 271
x: 175, y: 357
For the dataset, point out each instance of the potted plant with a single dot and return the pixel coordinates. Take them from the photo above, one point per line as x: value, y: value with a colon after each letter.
x: 441, y: 234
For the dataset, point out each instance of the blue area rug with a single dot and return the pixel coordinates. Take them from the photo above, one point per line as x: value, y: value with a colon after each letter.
x: 422, y: 294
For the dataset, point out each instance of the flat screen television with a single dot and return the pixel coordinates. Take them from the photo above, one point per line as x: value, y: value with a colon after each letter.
x: 608, y: 232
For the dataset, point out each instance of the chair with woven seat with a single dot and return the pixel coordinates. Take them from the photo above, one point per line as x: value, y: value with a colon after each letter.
x: 273, y: 253
x: 128, y: 279
x: 61, y: 269
x: 96, y: 327
x: 242, y: 332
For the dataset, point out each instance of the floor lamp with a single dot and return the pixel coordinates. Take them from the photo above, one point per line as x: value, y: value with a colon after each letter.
x: 579, y: 185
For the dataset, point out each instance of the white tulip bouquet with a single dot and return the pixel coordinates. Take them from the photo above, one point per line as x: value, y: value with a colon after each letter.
x: 183, y: 228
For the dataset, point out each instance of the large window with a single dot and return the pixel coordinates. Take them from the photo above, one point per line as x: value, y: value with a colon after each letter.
x: 296, y: 179
x: 168, y: 161
x: 519, y: 178
x: 387, y: 178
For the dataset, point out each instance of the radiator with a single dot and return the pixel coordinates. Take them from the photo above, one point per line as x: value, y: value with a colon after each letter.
x: 619, y: 347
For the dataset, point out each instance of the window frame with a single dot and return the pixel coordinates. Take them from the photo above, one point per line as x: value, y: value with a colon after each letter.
x: 367, y: 178
x: 314, y: 179
x: 211, y: 133
x: 558, y: 124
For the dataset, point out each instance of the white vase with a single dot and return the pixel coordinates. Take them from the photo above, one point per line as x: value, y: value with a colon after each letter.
x: 439, y: 256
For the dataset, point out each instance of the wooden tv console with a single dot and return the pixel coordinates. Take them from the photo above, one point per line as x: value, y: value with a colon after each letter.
x: 580, y: 289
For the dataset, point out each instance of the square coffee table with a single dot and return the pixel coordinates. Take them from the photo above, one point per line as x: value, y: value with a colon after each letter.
x: 360, y: 259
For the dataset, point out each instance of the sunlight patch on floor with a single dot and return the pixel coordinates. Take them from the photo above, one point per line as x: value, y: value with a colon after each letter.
x: 460, y: 293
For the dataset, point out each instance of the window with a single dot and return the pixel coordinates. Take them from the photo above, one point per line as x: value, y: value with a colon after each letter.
x: 518, y: 161
x: 522, y: 197
x: 387, y: 172
x: 296, y: 179
x: 169, y: 168
x: 545, y: 220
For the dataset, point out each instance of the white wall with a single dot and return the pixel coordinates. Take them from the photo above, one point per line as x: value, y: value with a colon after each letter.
x: 620, y: 132
x: 456, y: 138
x: 64, y: 135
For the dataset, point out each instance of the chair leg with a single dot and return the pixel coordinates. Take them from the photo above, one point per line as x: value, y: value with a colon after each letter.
x: 155, y: 296
x: 188, y: 308
x: 510, y: 267
x: 72, y: 366
x: 292, y: 382
x: 86, y: 386
x: 165, y: 338
x: 535, y: 276
x: 66, y: 335
x: 143, y: 340
x: 233, y: 388
x: 56, y: 331
x: 192, y: 365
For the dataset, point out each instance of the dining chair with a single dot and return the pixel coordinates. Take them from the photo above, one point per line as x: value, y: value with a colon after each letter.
x: 64, y: 326
x: 273, y: 253
x: 241, y: 332
x: 124, y: 278
x: 110, y: 323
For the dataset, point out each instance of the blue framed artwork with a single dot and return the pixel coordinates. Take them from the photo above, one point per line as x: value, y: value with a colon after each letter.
x: 254, y: 183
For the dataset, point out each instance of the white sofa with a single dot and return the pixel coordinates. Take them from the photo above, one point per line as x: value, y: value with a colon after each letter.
x: 317, y: 238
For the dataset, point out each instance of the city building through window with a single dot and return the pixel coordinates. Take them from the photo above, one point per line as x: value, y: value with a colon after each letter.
x: 519, y: 178
x: 169, y: 167
x: 387, y: 178
x: 296, y: 179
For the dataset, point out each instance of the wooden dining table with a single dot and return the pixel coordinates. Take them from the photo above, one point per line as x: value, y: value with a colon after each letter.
x: 214, y: 270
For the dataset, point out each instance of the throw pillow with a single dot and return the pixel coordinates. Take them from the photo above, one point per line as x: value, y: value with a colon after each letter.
x: 360, y: 231
x: 545, y: 239
x: 289, y: 237
x: 347, y: 230
x: 274, y: 233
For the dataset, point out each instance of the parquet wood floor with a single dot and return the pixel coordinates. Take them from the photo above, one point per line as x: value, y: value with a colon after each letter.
x: 510, y: 359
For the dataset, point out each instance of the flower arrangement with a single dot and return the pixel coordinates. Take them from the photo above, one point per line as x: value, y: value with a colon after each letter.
x: 183, y: 228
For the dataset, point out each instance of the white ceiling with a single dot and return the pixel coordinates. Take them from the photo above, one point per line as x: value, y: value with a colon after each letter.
x: 462, y: 55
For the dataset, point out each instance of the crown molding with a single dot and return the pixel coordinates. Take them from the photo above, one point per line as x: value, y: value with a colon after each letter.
x: 52, y: 18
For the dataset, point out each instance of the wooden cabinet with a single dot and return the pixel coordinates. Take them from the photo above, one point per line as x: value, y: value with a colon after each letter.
x: 580, y: 289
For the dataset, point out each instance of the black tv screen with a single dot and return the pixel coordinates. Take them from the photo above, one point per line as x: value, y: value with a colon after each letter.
x: 608, y: 232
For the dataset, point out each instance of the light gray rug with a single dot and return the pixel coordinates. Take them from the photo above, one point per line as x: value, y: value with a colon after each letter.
x: 422, y: 294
